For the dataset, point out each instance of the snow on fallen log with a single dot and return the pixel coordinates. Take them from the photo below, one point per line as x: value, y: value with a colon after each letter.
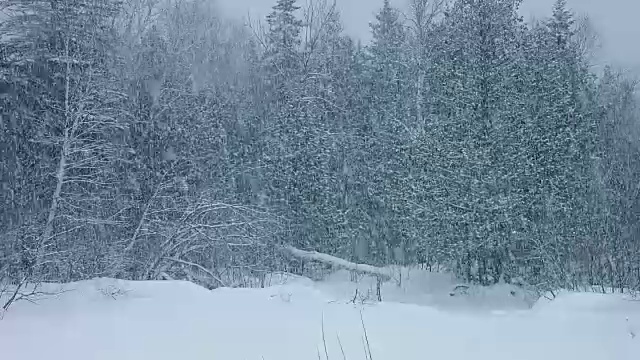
x: 382, y: 273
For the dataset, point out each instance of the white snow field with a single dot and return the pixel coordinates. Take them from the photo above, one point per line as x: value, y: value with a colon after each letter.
x: 120, y: 320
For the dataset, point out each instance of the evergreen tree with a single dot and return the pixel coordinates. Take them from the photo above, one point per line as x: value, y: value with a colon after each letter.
x: 618, y: 168
x: 562, y: 145
x: 387, y: 126
x: 471, y: 170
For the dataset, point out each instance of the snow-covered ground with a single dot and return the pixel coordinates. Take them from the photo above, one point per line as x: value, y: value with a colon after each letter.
x: 118, y: 320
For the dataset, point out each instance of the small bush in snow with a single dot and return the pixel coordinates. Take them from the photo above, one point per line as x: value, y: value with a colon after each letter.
x: 113, y: 291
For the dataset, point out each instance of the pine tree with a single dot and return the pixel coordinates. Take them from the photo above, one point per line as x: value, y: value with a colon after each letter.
x: 282, y: 54
x: 618, y: 168
x: 561, y: 24
x: 283, y: 132
x: 386, y: 124
x: 470, y: 173
x: 388, y: 70
x: 561, y: 146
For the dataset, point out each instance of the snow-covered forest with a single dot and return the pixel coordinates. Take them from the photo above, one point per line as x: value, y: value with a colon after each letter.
x: 156, y: 139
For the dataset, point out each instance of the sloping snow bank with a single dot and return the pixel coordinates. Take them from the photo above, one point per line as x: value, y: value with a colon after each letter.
x: 118, y: 320
x: 434, y: 289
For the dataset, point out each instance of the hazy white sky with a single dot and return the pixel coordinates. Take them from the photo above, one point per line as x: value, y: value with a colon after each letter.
x: 617, y: 21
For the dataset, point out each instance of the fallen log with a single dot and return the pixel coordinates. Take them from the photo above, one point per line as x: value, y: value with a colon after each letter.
x: 381, y: 274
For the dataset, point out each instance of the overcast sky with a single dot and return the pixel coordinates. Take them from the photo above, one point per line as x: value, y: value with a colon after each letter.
x: 616, y: 20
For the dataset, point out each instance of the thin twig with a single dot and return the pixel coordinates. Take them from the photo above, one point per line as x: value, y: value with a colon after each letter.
x: 366, y: 338
x: 344, y: 356
x: 324, y: 340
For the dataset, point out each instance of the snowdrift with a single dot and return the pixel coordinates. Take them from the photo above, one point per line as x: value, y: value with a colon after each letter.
x: 118, y: 320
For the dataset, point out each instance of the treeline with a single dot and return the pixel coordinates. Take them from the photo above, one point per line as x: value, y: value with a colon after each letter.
x: 145, y: 140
